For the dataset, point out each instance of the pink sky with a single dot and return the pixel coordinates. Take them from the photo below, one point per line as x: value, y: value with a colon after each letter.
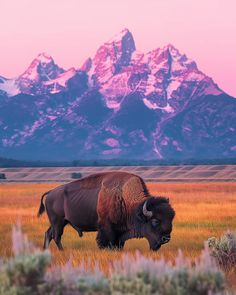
x: 72, y: 30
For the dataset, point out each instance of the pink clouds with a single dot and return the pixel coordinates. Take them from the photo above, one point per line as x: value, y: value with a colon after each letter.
x: 72, y: 30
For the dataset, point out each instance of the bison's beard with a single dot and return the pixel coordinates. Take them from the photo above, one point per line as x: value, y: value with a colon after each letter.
x: 154, y: 242
x: 155, y: 246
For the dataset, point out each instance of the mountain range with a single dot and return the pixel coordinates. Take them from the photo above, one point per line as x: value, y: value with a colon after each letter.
x: 121, y: 103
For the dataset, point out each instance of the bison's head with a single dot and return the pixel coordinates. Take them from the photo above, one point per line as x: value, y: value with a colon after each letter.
x: 155, y: 217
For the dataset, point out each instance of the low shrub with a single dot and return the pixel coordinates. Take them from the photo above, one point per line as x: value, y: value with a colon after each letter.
x: 223, y: 249
x: 2, y: 176
x: 141, y: 275
x: 76, y: 175
x: 76, y: 280
x: 26, y: 273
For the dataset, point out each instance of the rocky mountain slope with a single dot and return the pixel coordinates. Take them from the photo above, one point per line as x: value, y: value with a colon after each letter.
x: 121, y: 103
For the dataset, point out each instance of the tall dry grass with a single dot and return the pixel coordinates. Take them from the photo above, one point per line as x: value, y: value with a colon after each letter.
x: 202, y: 210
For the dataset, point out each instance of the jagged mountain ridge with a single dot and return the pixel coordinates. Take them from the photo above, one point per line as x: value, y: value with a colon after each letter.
x: 122, y: 103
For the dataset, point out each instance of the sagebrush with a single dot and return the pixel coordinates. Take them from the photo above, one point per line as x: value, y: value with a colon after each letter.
x: 29, y: 272
x: 223, y: 249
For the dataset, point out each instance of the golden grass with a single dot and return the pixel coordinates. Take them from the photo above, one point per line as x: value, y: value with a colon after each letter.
x: 202, y: 210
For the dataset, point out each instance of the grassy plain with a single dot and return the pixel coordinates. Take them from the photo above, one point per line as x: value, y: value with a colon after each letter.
x: 202, y: 210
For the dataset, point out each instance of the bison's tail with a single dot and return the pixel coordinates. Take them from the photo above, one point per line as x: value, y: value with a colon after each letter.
x: 42, y: 207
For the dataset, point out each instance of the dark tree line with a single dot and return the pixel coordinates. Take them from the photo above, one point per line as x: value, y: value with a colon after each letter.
x: 4, y: 162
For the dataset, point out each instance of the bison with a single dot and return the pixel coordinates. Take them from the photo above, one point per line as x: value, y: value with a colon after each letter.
x: 117, y: 205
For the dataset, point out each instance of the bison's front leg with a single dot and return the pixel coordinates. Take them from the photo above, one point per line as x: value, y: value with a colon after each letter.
x: 119, y: 245
x: 105, y: 237
x: 109, y: 212
x: 109, y: 238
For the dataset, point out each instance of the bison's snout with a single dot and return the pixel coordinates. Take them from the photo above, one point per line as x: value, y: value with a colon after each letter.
x: 165, y: 239
x: 157, y: 244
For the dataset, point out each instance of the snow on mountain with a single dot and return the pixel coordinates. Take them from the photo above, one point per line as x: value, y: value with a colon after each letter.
x: 111, y: 57
x: 169, y: 73
x: 61, y: 81
x: 117, y: 70
x: 43, y: 76
x: 42, y: 68
x: 162, y: 76
x: 9, y: 86
x: 154, y: 106
x: 120, y: 103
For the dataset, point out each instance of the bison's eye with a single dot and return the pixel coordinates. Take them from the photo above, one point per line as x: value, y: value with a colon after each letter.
x: 155, y: 222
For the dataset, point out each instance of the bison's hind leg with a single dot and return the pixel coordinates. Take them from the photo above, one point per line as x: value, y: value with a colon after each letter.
x: 48, y: 237
x: 58, y: 229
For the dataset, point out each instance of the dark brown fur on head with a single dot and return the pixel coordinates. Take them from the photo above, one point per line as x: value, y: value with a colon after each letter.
x: 156, y: 228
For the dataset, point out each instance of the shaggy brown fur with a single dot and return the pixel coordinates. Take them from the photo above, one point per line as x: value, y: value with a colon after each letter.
x: 112, y: 204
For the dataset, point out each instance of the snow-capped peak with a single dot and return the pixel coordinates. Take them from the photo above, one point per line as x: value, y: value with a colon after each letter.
x: 41, y: 69
x: 117, y: 70
x: 123, y: 43
x: 182, y: 59
x: 41, y: 77
x: 160, y: 75
x: 171, y: 48
x: 42, y: 66
x: 118, y: 37
x: 43, y: 57
x: 110, y: 58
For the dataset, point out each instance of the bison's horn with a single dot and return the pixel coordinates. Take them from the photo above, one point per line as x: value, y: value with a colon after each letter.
x: 146, y: 212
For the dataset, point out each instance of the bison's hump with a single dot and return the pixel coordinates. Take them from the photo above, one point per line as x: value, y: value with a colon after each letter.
x: 134, y: 189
